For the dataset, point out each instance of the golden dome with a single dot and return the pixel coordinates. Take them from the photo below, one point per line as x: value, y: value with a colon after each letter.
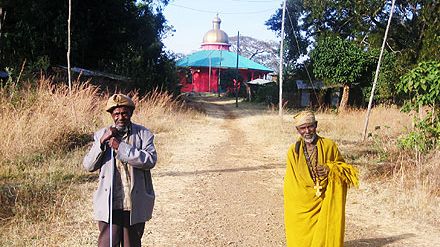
x: 216, y: 35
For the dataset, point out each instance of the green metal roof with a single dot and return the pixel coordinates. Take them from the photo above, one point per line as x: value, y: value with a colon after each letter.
x: 219, y: 58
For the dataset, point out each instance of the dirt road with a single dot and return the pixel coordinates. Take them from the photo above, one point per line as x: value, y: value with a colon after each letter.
x: 220, y: 186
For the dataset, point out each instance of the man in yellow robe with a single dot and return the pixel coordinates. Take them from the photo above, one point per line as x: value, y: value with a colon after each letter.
x: 315, y: 188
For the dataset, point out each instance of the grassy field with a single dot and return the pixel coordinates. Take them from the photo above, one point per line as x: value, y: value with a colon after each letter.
x: 46, y: 133
x: 47, y: 129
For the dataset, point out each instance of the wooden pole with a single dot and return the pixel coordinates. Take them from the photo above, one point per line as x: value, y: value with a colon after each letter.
x: 281, y: 62
x: 377, y: 71
x: 69, y: 76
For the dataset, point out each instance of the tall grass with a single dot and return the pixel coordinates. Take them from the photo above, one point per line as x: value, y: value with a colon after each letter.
x: 405, y: 182
x: 46, y: 131
x: 408, y: 181
x: 45, y: 119
x: 161, y: 112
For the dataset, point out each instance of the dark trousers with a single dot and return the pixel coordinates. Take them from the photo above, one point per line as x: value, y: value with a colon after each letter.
x: 122, y: 233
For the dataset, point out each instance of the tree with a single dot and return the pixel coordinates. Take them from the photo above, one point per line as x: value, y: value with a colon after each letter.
x: 24, y: 36
x: 296, y: 39
x: 2, y: 19
x: 429, y: 37
x: 262, y: 52
x: 118, y: 36
x: 339, y: 61
x: 422, y: 84
x: 414, y: 33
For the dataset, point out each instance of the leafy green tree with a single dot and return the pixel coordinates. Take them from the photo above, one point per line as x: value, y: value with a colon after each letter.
x: 413, y: 37
x: 296, y: 42
x: 341, y: 62
x: 422, y: 84
x: 116, y: 36
x: 32, y: 30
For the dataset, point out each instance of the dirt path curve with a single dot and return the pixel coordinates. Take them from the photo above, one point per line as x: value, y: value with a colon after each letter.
x: 221, y: 188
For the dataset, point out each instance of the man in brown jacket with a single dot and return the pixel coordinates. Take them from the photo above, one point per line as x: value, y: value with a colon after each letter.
x: 134, y: 154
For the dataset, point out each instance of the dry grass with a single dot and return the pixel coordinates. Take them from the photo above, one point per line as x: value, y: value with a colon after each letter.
x: 384, y: 120
x: 45, y: 119
x: 42, y: 181
x: 161, y: 112
x: 404, y: 183
x: 43, y: 185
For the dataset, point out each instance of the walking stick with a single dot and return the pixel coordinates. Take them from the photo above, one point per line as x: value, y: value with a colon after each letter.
x: 111, y: 197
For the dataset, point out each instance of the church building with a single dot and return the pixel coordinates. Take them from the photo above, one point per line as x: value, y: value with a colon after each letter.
x: 201, y: 71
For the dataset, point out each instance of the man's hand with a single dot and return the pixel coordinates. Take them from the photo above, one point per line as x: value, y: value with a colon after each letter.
x: 109, y: 133
x: 322, y: 170
x: 114, y: 143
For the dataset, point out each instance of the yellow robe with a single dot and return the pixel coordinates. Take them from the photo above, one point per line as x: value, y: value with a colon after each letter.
x: 312, y: 221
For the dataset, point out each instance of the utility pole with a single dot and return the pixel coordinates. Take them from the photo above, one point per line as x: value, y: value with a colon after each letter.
x: 281, y: 62
x: 236, y: 75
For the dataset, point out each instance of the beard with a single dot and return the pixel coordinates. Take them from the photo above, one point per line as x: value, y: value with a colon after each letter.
x: 122, y: 128
x: 309, y: 138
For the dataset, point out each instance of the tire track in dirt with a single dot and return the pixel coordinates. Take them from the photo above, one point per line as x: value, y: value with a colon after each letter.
x: 221, y: 195
x: 219, y: 188
x: 242, y: 212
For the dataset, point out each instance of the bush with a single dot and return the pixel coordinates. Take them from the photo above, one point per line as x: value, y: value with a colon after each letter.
x: 423, y: 86
x: 424, y: 137
x: 267, y: 94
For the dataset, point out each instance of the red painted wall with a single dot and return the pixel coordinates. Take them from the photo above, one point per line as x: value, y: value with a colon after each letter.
x: 200, y: 79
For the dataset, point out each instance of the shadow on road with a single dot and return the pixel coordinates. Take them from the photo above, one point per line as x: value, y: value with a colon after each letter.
x: 238, y: 169
x: 376, y: 242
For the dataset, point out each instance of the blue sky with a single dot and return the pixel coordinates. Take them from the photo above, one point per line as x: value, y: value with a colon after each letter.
x: 193, y: 18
